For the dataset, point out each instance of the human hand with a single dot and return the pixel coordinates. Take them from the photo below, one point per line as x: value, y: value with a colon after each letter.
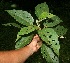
x: 35, y: 44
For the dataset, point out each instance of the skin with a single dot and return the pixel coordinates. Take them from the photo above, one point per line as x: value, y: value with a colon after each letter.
x: 21, y: 55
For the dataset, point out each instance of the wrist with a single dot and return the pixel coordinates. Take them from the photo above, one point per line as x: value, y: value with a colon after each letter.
x: 30, y: 48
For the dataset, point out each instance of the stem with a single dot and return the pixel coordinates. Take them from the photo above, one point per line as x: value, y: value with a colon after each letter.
x: 38, y: 24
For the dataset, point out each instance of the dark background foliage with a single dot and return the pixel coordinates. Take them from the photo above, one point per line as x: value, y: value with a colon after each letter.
x: 8, y: 34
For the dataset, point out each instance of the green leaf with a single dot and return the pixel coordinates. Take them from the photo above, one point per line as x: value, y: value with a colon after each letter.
x: 60, y: 30
x: 18, y: 37
x: 22, y: 17
x: 55, y: 20
x: 13, y: 24
x: 51, y: 38
x: 23, y: 41
x: 41, y: 11
x: 48, y: 54
x: 26, y: 30
x: 50, y: 15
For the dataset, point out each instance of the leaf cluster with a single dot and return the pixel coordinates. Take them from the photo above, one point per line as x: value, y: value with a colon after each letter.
x: 46, y: 27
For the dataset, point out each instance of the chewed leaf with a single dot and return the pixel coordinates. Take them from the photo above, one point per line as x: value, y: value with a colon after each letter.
x: 51, y: 38
x: 22, y: 17
x: 55, y: 20
x: 48, y: 54
x: 23, y: 41
x: 26, y: 30
x: 41, y: 11
x: 60, y: 30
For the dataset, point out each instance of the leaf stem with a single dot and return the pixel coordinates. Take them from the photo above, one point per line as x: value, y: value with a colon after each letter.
x: 38, y: 24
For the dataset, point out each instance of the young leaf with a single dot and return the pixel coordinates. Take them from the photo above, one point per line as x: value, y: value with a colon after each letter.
x: 41, y: 11
x: 60, y: 30
x: 13, y: 24
x: 54, y: 21
x: 50, y: 15
x: 51, y: 38
x: 48, y: 54
x: 23, y: 41
x: 22, y: 17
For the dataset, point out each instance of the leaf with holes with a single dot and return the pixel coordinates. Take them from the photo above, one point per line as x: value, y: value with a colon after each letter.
x: 13, y: 24
x: 55, y: 20
x: 26, y: 30
x: 48, y: 54
x: 23, y: 41
x: 41, y: 11
x: 22, y: 17
x: 60, y: 30
x: 51, y: 38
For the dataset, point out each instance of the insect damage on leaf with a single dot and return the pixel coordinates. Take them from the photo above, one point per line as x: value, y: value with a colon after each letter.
x: 48, y: 34
x: 41, y: 11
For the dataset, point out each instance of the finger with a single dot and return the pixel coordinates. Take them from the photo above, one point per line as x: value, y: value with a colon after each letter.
x: 34, y: 40
x: 36, y: 36
x: 40, y: 43
x: 37, y: 47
